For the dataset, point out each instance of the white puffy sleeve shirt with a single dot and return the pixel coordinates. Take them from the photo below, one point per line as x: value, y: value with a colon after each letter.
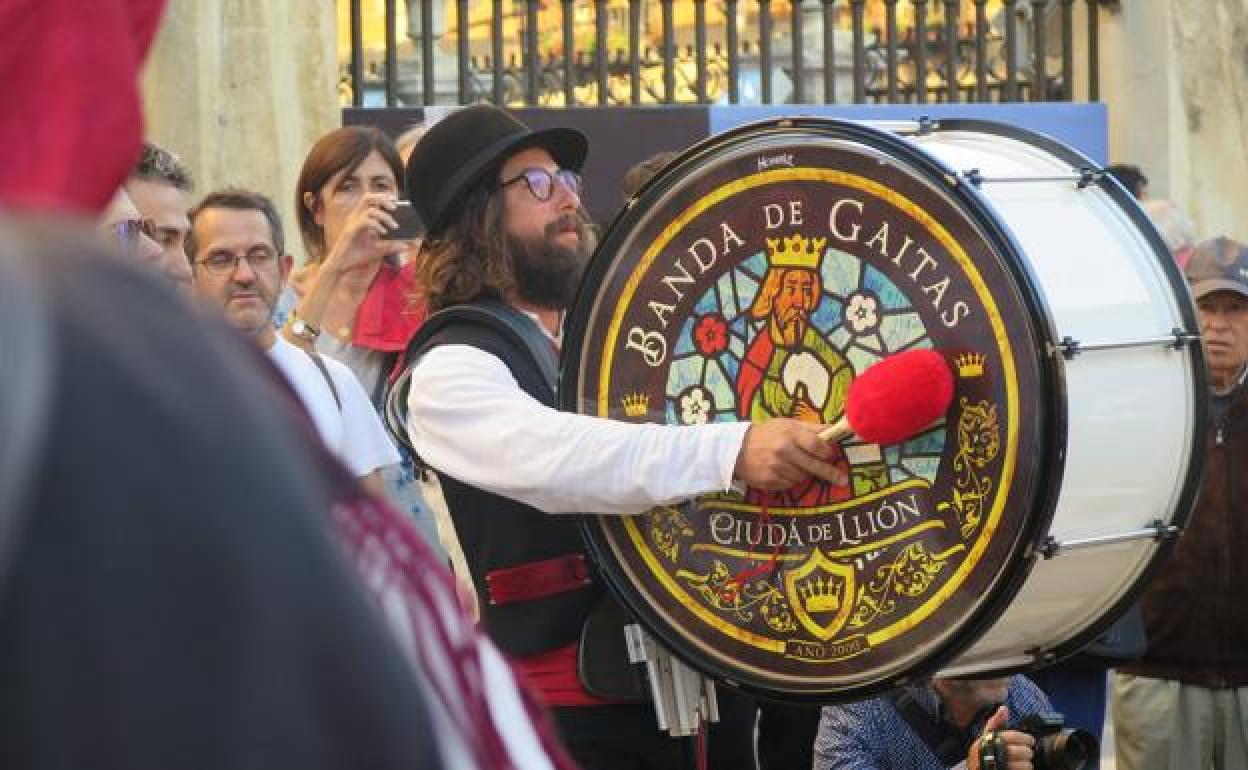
x: 468, y: 417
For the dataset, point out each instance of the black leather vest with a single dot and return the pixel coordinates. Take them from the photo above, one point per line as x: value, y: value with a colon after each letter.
x: 497, y: 533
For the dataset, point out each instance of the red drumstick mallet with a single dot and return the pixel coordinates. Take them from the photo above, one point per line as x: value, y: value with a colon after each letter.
x: 895, y: 398
x: 888, y: 403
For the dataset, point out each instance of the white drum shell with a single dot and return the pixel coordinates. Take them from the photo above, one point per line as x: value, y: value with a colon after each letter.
x: 1131, y: 412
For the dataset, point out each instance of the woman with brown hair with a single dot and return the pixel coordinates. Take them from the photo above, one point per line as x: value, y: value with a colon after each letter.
x: 355, y: 300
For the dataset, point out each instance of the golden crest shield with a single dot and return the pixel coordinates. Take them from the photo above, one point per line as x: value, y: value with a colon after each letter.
x: 821, y: 593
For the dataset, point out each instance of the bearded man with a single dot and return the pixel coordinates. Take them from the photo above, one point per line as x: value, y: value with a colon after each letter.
x: 507, y: 237
x: 790, y: 369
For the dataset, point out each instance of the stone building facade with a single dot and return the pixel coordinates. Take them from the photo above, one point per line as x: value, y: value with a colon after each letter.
x: 242, y: 88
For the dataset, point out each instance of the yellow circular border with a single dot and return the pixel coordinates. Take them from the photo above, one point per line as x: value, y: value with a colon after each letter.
x: 942, y: 236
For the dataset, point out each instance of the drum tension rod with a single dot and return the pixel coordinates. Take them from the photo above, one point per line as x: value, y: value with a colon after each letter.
x: 1157, y: 530
x: 1177, y: 339
x: 1082, y: 177
x: 921, y: 127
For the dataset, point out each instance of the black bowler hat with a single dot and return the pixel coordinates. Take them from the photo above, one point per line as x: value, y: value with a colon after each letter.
x: 470, y: 142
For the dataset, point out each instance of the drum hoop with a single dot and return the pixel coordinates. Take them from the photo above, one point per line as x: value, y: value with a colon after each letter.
x: 1200, y: 417
x: 1051, y: 433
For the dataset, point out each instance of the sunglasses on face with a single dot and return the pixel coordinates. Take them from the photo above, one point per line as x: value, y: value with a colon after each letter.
x: 541, y: 182
x: 128, y: 231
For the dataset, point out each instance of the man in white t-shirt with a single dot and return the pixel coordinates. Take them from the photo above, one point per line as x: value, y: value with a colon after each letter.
x: 237, y: 255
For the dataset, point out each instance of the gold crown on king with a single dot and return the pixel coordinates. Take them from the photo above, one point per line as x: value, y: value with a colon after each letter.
x: 970, y: 364
x: 635, y: 404
x: 796, y: 251
x: 820, y: 594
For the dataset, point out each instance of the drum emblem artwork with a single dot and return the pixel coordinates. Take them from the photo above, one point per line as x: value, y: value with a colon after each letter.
x: 758, y: 280
x: 782, y: 335
x: 765, y: 298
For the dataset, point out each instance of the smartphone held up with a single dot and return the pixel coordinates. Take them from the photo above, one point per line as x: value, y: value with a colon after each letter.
x: 410, y: 226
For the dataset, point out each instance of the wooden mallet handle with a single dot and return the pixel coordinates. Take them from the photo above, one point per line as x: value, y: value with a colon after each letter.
x: 836, y: 431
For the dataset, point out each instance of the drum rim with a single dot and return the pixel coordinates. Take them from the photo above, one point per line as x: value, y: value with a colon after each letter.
x: 1051, y: 433
x: 1200, y: 417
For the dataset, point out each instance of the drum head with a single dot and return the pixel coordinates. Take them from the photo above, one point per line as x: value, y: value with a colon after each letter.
x: 756, y: 277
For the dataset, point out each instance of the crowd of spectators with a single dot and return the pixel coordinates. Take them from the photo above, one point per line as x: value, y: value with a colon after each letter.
x: 214, y: 554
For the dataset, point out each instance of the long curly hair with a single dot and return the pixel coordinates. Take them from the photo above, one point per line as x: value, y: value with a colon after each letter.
x: 471, y: 257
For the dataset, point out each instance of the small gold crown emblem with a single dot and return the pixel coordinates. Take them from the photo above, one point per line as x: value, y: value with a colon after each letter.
x: 636, y: 404
x: 820, y: 594
x: 796, y: 251
x: 970, y: 364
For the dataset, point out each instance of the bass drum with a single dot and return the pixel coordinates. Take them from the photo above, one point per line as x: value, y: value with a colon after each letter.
x: 764, y: 270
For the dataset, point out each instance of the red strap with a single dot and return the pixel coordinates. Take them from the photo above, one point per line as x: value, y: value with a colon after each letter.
x: 553, y: 675
x: 537, y: 579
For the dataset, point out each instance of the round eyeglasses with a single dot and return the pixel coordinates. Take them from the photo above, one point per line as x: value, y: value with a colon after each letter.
x: 541, y: 182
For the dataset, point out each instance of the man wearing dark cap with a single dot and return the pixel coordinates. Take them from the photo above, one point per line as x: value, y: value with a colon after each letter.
x: 506, y: 232
x: 1185, y: 703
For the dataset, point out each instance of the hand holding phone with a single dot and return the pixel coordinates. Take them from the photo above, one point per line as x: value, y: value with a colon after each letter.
x: 410, y: 224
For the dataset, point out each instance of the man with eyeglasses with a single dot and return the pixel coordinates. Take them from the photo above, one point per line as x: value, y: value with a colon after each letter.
x: 159, y: 185
x: 507, y: 241
x: 238, y: 257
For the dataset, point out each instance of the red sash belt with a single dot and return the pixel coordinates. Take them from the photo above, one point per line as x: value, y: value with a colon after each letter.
x: 537, y: 579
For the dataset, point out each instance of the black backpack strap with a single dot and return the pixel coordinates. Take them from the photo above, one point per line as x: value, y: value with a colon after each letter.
x: 502, y: 318
x: 948, y: 744
x: 524, y: 329
x: 316, y: 359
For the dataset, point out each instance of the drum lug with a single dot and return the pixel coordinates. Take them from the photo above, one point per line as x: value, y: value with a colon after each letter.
x: 1069, y: 347
x: 1050, y: 548
x: 1089, y: 176
x: 1165, y: 531
x: 1042, y: 657
x: 1182, y: 338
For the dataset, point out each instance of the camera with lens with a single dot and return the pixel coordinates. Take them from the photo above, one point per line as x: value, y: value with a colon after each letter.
x: 1059, y: 747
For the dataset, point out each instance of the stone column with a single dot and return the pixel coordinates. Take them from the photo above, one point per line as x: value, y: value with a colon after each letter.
x: 241, y: 89
x: 1175, y: 77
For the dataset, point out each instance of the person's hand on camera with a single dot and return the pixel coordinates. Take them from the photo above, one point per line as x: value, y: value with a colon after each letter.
x: 1013, y: 749
x: 779, y: 453
x: 361, y: 244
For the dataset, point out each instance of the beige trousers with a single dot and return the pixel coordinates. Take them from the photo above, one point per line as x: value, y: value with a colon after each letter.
x: 1160, y: 724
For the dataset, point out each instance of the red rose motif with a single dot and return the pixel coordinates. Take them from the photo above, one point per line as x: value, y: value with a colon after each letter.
x: 710, y: 335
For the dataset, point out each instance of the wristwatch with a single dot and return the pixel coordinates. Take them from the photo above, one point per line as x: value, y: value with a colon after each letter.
x: 303, y: 330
